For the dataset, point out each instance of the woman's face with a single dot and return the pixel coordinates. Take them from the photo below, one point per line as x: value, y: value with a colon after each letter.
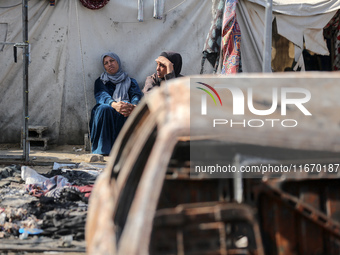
x: 161, y: 70
x: 111, y: 65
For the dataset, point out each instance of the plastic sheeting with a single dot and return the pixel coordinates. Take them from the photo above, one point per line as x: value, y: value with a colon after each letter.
x: 252, y: 33
x: 303, y: 31
x: 66, y: 43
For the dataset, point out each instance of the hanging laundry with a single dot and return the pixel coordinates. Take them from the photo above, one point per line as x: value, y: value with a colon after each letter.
x: 231, y: 39
x: 212, y: 46
x: 140, y: 11
x: 158, y: 9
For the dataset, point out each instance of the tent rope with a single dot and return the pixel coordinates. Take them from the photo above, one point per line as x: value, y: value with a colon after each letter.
x: 11, y: 5
x: 83, y: 72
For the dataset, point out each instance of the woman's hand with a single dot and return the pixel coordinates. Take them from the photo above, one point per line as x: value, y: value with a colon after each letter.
x: 166, y: 62
x: 123, y: 108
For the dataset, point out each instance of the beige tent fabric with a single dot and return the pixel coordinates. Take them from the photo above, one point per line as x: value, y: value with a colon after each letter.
x: 299, y: 30
x: 250, y: 17
x: 304, y: 32
x: 66, y: 44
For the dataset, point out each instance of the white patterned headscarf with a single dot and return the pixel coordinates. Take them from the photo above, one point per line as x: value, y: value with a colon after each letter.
x: 121, y: 79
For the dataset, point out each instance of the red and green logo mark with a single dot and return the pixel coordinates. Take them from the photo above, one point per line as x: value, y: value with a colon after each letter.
x: 209, y: 93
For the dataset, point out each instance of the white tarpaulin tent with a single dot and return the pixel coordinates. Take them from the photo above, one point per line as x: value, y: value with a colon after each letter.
x: 67, y: 41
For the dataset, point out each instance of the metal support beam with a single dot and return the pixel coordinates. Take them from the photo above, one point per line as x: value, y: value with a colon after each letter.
x: 7, y: 43
x: 25, y: 53
x: 267, y: 50
x: 238, y: 180
x: 25, y: 47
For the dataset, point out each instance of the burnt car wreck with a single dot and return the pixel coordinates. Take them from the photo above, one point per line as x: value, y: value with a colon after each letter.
x: 150, y: 199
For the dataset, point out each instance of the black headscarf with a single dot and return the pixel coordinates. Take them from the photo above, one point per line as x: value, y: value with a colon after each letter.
x: 174, y: 58
x: 154, y: 80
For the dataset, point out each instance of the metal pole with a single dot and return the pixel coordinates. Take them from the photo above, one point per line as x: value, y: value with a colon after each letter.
x: 238, y: 180
x: 267, y: 51
x: 25, y: 51
x: 7, y: 43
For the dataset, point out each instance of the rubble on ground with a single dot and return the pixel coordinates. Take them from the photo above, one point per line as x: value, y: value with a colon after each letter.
x: 40, y: 212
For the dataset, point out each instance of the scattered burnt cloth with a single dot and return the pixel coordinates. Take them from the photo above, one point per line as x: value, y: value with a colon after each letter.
x: 79, y: 178
x: 64, y: 186
x: 41, y: 189
x: 65, y: 222
x: 212, y: 44
x: 59, y: 218
x: 68, y: 193
x: 56, y: 217
x: 85, y: 190
x: 10, y: 171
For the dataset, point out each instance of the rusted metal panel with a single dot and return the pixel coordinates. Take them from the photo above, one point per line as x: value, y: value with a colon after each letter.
x: 164, y: 241
x: 299, y: 218
x: 225, y: 228
x: 332, y: 207
x: 332, y: 245
x: 188, y: 191
x: 286, y: 235
x: 309, y: 242
x: 332, y: 193
x: 267, y: 223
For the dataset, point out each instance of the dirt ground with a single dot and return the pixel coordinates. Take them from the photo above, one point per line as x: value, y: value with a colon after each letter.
x: 43, y: 160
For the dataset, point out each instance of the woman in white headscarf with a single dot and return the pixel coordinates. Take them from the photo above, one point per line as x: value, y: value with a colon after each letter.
x: 116, y: 95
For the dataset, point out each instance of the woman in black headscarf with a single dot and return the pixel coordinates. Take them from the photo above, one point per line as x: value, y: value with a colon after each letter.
x: 169, y: 65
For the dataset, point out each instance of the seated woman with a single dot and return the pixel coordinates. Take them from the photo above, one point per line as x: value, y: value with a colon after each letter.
x: 169, y: 65
x: 116, y: 95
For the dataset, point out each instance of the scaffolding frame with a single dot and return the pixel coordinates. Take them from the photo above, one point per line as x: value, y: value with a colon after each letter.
x: 25, y: 53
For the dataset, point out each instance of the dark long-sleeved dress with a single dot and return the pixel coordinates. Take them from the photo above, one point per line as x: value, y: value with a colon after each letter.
x: 106, y: 122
